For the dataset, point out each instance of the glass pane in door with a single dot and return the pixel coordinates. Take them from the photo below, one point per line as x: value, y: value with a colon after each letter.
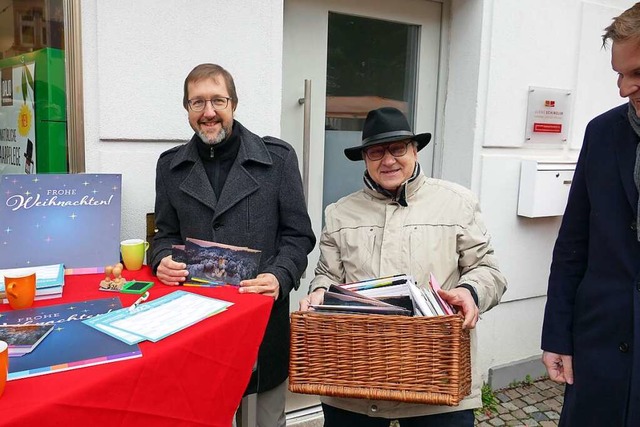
x: 371, y: 63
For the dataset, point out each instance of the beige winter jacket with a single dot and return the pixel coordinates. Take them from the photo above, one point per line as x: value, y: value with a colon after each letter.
x: 440, y: 231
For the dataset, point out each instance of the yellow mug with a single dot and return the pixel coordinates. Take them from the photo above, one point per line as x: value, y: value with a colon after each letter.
x: 21, y: 291
x: 4, y: 365
x: 132, y: 251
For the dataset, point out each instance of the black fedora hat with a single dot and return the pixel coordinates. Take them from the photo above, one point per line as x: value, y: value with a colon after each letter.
x: 386, y: 124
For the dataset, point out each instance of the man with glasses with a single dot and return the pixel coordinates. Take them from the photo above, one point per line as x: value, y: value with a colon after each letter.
x: 231, y: 186
x: 404, y: 222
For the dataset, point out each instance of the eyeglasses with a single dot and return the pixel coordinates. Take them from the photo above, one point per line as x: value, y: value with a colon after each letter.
x: 397, y: 149
x: 218, y: 103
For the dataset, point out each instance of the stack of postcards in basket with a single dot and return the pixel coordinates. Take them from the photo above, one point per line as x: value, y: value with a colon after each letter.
x: 395, y: 295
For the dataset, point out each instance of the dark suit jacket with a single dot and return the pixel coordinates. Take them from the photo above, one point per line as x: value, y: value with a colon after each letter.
x: 593, y: 301
x: 261, y: 206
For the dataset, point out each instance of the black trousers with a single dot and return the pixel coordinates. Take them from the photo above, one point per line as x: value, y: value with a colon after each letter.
x: 335, y: 417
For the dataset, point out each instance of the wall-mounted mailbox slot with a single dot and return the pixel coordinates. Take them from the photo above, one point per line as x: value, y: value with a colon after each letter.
x: 544, y: 187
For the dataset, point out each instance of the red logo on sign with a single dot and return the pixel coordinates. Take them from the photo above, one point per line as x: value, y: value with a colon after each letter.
x: 549, y: 103
x: 547, y: 127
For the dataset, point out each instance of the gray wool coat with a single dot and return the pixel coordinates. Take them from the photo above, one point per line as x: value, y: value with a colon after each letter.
x: 261, y: 206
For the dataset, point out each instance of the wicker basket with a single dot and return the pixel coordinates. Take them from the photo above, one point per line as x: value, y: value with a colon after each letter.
x: 408, y: 359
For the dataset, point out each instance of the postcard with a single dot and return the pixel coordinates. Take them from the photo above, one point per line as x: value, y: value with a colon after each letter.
x: 337, y: 295
x: 22, y: 339
x: 358, y: 309
x: 434, y: 286
x: 217, y: 263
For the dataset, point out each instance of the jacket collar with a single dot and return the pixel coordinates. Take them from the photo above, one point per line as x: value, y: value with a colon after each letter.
x: 240, y: 182
x: 625, y: 141
x: 412, y: 188
x: 252, y: 148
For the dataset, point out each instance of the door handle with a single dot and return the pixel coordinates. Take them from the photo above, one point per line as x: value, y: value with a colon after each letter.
x: 306, y: 137
x: 306, y: 143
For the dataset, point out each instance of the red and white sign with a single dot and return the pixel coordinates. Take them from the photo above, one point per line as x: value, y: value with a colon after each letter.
x: 548, y: 115
x: 547, y: 127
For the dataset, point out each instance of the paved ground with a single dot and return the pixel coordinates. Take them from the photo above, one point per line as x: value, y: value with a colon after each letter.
x: 537, y: 404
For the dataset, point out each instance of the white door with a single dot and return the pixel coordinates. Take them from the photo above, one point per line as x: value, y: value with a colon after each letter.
x: 358, y: 55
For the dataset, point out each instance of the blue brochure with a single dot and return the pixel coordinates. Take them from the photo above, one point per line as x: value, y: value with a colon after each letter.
x: 71, y: 344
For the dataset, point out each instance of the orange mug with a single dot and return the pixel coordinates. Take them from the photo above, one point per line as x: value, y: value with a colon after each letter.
x: 4, y: 365
x: 20, y: 290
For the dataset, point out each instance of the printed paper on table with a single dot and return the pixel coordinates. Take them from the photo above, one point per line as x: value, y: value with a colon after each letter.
x: 157, y: 319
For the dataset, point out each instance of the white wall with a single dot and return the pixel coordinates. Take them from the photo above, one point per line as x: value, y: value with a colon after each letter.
x: 509, y: 333
x: 464, y: 77
x: 136, y: 56
x: 547, y: 43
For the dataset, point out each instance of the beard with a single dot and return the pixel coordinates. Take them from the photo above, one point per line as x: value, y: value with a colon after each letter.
x: 221, y: 136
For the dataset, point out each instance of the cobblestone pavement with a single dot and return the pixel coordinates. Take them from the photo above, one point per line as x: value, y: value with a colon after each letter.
x: 536, y: 404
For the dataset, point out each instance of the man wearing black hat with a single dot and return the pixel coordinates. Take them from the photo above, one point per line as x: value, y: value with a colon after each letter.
x: 404, y: 222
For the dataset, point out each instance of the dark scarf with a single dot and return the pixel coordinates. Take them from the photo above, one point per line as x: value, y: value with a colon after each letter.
x: 635, y: 124
x: 217, y: 159
x: 399, y: 196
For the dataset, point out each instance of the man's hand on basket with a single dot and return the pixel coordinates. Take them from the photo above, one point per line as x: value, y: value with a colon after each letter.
x: 462, y: 299
x: 316, y: 297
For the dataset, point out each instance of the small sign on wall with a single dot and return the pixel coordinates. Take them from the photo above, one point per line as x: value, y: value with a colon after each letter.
x: 548, y: 115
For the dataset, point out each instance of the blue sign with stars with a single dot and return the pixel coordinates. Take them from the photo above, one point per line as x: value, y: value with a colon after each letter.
x: 70, y: 219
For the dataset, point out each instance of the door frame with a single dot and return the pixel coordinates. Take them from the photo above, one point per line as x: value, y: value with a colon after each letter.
x: 292, y: 111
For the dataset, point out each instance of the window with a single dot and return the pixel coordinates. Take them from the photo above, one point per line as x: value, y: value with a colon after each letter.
x: 41, y: 110
x: 371, y: 63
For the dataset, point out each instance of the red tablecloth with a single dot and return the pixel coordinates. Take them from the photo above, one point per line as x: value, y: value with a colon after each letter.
x: 195, y: 377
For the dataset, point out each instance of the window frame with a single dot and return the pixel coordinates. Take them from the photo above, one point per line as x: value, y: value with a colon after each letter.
x: 74, y: 87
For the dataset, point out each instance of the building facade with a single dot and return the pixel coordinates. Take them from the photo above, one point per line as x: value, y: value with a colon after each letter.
x: 463, y: 70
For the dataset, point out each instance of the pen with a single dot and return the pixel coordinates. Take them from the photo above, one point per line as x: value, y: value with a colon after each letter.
x: 139, y: 300
x: 203, y: 283
x: 195, y: 279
